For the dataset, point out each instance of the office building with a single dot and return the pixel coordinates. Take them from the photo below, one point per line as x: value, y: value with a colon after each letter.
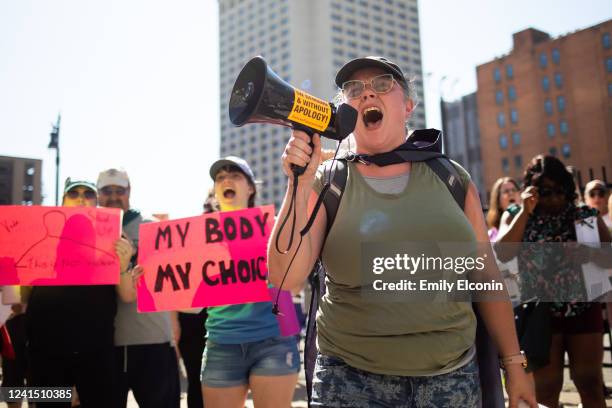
x: 305, y: 43
x: 462, y: 137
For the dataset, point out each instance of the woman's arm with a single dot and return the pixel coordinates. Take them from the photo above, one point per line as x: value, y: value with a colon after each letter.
x: 298, y: 151
x: 126, y: 289
x: 511, y: 230
x: 498, y: 315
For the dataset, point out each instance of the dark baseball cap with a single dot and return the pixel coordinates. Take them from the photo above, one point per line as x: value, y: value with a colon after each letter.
x: 345, y: 73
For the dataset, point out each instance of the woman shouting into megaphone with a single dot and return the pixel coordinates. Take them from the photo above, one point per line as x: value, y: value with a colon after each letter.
x: 377, y: 353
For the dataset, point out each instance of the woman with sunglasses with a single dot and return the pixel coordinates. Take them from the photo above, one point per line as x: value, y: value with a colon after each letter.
x: 70, y: 329
x: 244, y: 349
x: 378, y: 353
x: 505, y: 193
x: 549, y: 216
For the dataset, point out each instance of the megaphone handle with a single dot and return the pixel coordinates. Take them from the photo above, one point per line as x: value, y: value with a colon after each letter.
x: 299, y: 170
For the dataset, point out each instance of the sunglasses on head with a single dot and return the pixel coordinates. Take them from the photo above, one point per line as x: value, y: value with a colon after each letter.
x: 380, y: 84
x: 597, y: 193
x: 108, y: 191
x: 547, y: 192
x: 87, y: 194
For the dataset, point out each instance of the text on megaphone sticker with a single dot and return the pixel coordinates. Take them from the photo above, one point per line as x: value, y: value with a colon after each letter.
x: 310, y: 111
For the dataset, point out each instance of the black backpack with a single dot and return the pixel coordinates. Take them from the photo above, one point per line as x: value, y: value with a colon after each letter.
x: 426, y: 146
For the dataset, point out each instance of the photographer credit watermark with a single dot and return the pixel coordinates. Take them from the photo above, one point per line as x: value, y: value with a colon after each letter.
x: 463, y: 272
x: 421, y: 264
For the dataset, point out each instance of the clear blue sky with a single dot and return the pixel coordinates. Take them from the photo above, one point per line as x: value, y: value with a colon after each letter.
x: 136, y: 81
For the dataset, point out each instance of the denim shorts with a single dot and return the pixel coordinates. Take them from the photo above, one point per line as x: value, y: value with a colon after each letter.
x: 230, y: 365
x: 336, y: 384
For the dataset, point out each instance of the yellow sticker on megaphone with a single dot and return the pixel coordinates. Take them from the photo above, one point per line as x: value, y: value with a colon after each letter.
x: 310, y: 111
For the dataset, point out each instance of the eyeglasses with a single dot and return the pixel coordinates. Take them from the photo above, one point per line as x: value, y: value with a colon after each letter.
x: 509, y: 191
x: 547, y: 192
x: 380, y: 84
x: 597, y: 192
x: 87, y: 194
x: 108, y: 191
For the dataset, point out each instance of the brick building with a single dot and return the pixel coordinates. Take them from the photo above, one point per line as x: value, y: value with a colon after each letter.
x: 549, y: 96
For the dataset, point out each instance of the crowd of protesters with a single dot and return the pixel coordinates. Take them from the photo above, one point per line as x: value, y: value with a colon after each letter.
x: 547, y: 212
x: 92, y: 338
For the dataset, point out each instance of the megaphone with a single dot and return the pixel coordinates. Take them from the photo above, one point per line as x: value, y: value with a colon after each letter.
x: 259, y: 95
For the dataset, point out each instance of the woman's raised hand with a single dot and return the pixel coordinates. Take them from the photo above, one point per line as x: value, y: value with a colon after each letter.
x: 299, y: 152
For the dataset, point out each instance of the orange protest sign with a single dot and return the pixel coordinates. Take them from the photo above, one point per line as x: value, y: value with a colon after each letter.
x: 59, y: 245
x: 210, y: 260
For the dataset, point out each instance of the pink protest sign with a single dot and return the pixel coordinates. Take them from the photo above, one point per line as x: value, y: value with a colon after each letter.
x: 42, y: 246
x: 210, y: 260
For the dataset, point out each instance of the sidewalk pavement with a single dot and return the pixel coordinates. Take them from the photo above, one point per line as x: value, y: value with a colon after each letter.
x: 569, y: 395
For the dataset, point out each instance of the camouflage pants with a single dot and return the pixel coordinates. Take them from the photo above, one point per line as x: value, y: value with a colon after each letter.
x: 335, y: 385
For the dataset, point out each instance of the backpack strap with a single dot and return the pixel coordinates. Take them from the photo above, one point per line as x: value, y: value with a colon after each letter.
x: 446, y: 171
x: 317, y: 286
x: 336, y: 175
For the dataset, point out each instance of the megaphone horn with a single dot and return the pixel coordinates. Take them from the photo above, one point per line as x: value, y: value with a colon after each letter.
x: 259, y: 95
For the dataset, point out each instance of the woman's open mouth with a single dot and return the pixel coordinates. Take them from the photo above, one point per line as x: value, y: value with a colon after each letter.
x: 229, y: 193
x: 372, y: 118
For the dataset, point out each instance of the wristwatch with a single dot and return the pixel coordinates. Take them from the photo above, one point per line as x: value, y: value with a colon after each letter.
x: 520, y: 358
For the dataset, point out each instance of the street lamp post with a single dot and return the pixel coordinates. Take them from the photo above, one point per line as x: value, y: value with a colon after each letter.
x: 54, y: 144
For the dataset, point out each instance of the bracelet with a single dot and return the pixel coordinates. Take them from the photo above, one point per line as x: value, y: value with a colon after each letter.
x: 514, y: 359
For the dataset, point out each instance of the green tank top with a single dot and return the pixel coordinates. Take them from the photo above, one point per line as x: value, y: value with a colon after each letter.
x: 394, y: 338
